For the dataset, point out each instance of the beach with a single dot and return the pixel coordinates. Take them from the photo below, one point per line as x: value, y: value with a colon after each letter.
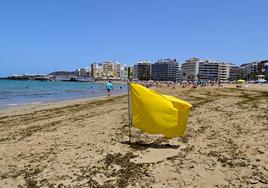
x: 84, y: 143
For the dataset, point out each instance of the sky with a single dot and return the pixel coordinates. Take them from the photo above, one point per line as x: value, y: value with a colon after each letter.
x: 48, y: 35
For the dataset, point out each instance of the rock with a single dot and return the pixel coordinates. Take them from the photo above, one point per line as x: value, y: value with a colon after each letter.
x: 253, y: 181
x: 260, y: 151
x: 209, y: 168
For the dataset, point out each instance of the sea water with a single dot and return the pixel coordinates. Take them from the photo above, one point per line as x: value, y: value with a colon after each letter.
x: 17, y: 92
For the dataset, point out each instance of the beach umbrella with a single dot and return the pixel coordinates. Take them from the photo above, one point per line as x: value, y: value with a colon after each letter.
x: 241, y: 81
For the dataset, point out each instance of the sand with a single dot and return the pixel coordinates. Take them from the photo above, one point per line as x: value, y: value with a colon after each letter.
x: 84, y: 143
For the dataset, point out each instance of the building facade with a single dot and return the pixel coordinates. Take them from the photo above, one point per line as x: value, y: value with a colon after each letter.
x: 262, y: 67
x: 266, y: 70
x: 83, y: 72
x: 106, y: 70
x: 165, y: 70
x: 208, y: 70
x: 142, y: 70
x: 197, y: 69
x: 126, y: 72
x: 249, y: 71
x: 135, y: 72
x: 190, y: 69
x: 234, y: 72
x: 252, y: 71
x: 180, y: 72
x: 96, y: 70
x: 223, y: 72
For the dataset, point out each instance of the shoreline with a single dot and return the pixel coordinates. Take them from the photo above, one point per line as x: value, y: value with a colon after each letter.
x: 73, y: 101
x: 30, y: 107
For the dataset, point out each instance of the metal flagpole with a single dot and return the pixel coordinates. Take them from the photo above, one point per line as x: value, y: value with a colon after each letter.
x: 129, y: 111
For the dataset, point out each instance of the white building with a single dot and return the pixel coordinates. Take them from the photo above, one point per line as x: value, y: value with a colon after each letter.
x: 126, y: 72
x: 180, y: 72
x: 223, y: 74
x: 196, y: 69
x: 190, y: 69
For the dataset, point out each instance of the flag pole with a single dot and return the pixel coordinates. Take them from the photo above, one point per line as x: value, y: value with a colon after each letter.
x: 129, y: 111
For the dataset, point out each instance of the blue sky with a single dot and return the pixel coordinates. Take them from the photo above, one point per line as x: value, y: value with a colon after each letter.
x: 46, y: 35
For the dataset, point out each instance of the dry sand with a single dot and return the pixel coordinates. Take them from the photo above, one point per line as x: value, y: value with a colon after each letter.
x: 84, y: 143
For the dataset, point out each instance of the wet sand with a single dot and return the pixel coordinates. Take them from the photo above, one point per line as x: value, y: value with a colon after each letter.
x: 84, y: 143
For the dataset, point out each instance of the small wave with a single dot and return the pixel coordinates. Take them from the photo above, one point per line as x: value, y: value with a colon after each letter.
x: 73, y: 90
x: 8, y: 105
x: 19, y: 104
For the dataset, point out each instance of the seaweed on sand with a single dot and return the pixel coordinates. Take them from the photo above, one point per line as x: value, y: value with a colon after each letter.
x: 129, y: 172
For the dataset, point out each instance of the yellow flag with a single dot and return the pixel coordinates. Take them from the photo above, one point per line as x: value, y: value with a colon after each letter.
x: 155, y: 113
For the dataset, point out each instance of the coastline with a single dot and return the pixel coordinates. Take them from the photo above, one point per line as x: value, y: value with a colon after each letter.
x: 31, y: 107
x: 84, y: 143
x: 20, y: 93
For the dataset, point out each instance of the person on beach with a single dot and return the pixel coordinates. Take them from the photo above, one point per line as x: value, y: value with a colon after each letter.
x: 109, y: 87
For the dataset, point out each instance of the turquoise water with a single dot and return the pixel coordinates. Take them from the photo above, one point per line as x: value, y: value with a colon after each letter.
x: 16, y: 92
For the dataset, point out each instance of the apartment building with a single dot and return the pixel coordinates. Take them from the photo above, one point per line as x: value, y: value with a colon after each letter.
x: 249, y: 71
x: 190, y: 69
x: 223, y: 72
x: 266, y: 70
x: 106, y: 70
x: 135, y: 72
x: 262, y: 68
x: 96, y: 70
x: 234, y: 72
x: 126, y: 72
x: 142, y: 70
x: 165, y: 70
x: 208, y: 70
x: 180, y: 72
x: 197, y: 69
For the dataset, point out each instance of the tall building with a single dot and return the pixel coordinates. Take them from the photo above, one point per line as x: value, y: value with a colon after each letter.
x: 135, y: 72
x: 105, y: 70
x: 208, y: 70
x: 180, y: 72
x: 142, y: 70
x: 249, y: 71
x: 96, y: 70
x: 126, y: 72
x: 262, y: 68
x: 130, y: 72
x: 196, y: 69
x: 108, y: 70
x: 234, y: 72
x: 266, y: 70
x: 117, y: 68
x: 190, y: 69
x: 223, y: 73
x: 165, y: 70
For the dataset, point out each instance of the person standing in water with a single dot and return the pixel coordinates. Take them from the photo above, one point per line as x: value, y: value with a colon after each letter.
x: 109, y: 87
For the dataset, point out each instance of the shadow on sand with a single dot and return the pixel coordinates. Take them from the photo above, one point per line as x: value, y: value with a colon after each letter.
x: 139, y: 145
